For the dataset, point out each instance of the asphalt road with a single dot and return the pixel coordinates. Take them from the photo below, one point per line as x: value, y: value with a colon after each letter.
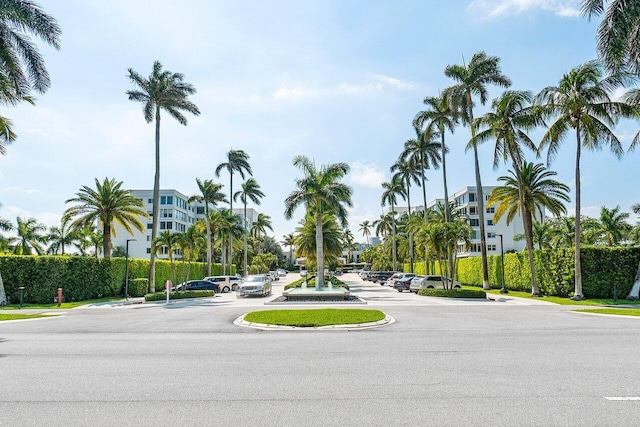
x: 454, y: 363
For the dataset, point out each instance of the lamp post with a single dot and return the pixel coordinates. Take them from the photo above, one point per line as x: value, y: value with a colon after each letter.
x: 126, y: 269
x: 503, y: 290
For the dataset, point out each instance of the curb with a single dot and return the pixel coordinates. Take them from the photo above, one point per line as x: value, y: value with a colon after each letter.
x: 388, y: 320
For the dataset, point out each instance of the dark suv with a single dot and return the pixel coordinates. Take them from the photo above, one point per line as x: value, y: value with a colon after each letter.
x: 382, y: 276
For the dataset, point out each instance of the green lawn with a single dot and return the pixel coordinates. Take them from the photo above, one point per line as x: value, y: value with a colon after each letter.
x: 562, y: 301
x: 314, y: 318
x: 618, y: 311
x: 63, y: 306
x: 12, y: 316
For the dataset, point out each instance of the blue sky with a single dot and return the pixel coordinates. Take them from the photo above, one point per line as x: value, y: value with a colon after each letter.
x: 334, y: 80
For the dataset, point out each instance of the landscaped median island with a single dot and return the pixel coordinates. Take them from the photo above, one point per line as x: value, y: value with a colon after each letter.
x: 315, y: 318
x: 161, y: 296
x: 336, y: 283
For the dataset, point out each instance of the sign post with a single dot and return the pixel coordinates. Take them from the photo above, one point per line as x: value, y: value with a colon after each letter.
x: 168, y: 287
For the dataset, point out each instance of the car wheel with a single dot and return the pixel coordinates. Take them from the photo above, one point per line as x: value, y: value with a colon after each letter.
x: 429, y: 287
x: 225, y: 289
x: 399, y: 290
x: 234, y: 287
x: 456, y: 287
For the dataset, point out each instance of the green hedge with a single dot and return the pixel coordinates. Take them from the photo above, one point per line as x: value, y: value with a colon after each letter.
x: 138, y: 287
x: 337, y: 283
x: 602, y: 267
x: 161, y: 296
x: 453, y: 293
x: 83, y: 278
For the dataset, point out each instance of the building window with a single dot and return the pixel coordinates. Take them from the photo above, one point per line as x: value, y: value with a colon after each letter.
x: 149, y: 226
x: 489, y: 222
x: 169, y: 225
x: 162, y: 225
x: 148, y: 238
x: 473, y: 210
x: 163, y: 200
x: 491, y: 235
x: 491, y: 248
x: 475, y: 235
x: 474, y: 222
x: 492, y: 209
x: 474, y: 247
x: 472, y: 197
x: 169, y: 200
x: 200, y: 210
x: 148, y: 250
x: 149, y: 200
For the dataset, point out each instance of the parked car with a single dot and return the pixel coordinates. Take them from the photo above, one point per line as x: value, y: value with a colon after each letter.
x: 398, y: 276
x: 198, y: 285
x: 226, y: 283
x: 255, y: 284
x: 382, y: 276
x: 403, y: 283
x: 433, y: 282
x: 281, y: 272
x: 274, y: 275
x: 391, y: 280
x: 338, y: 273
x: 303, y: 273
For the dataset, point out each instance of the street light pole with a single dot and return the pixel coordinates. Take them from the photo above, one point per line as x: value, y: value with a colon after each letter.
x: 126, y: 268
x: 503, y: 290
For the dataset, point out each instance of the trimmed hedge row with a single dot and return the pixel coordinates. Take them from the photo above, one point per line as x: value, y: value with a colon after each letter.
x: 337, y: 283
x: 83, y: 278
x: 602, y: 267
x: 453, y: 293
x: 161, y: 296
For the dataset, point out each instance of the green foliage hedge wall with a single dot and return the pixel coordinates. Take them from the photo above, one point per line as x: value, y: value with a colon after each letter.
x: 83, y: 278
x: 602, y: 267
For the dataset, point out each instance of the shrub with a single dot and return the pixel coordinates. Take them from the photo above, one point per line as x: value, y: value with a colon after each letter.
x: 138, y: 287
x: 453, y: 293
x: 312, y: 283
x: 161, y: 296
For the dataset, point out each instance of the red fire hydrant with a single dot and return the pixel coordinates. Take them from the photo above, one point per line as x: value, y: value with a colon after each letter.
x: 59, y: 296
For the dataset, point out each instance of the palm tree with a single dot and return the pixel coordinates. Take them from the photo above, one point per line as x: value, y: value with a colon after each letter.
x: 30, y: 236
x: 542, y: 234
x: 237, y: 161
x: 384, y: 225
x: 190, y: 243
x: 581, y: 104
x: 407, y: 170
x: 260, y: 226
x: 290, y: 241
x: 60, y: 237
x: 347, y: 241
x: 167, y: 91
x: 526, y: 193
x: 331, y: 242
x: 365, y: 229
x: 473, y: 80
x: 170, y: 241
x: 442, y: 115
x: 96, y: 239
x: 421, y: 153
x: 108, y: 204
x: 210, y: 194
x: 507, y: 124
x: 321, y: 191
x: 250, y: 191
x: 390, y: 195
x: 617, y: 33
x: 5, y: 225
x: 613, y: 226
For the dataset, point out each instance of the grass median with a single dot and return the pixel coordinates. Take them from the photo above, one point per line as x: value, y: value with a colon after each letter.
x: 12, y: 316
x: 315, y: 318
x: 616, y: 311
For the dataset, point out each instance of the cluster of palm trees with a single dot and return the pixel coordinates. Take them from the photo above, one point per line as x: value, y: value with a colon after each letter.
x: 581, y: 105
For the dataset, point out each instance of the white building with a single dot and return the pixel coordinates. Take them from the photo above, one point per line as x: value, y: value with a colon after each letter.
x: 175, y: 214
x: 465, y: 200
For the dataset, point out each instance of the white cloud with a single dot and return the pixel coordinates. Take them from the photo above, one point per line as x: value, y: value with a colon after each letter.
x: 394, y: 82
x: 495, y: 8
x: 367, y: 175
x: 22, y: 190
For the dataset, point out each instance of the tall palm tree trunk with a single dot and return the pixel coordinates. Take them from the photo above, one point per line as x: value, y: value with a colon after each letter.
x: 106, y: 241
x: 156, y: 207
x: 447, y: 214
x: 230, y: 234
x: 577, y: 294
x: 528, y: 231
x: 424, y: 199
x: 319, y: 252
x: 209, y: 243
x: 480, y: 195
x: 246, y: 271
x: 410, y: 235
x: 393, y: 240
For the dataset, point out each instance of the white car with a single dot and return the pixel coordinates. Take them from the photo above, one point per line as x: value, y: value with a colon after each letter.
x: 281, y: 272
x: 226, y: 283
x: 392, y: 280
x: 255, y: 284
x: 432, y: 282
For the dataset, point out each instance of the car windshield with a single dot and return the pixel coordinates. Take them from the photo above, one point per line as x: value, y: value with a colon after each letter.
x: 254, y: 279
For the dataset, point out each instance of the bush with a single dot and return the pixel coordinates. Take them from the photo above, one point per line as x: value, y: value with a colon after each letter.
x: 453, y: 293
x: 161, y: 296
x: 138, y: 287
x: 312, y: 283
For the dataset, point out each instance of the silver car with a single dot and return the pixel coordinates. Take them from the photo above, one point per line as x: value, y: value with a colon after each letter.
x: 255, y: 284
x: 226, y: 283
x: 433, y: 282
